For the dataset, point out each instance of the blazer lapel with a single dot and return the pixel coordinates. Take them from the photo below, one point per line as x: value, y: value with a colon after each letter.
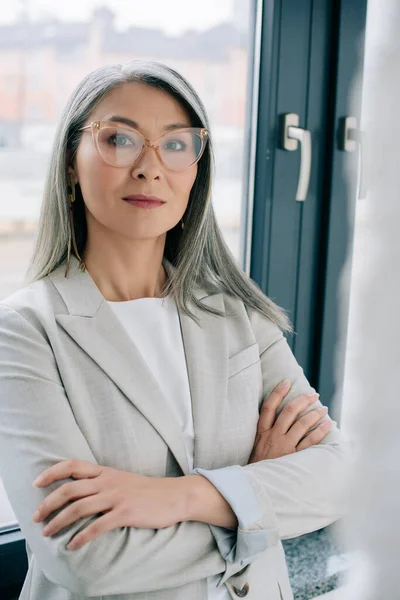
x: 207, y: 356
x: 94, y: 326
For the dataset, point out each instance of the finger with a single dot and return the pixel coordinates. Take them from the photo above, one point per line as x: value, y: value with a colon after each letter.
x: 66, y: 492
x: 303, y: 425
x: 101, y: 525
x: 77, y: 469
x: 291, y: 411
x: 86, y: 507
x: 315, y: 436
x: 270, y: 405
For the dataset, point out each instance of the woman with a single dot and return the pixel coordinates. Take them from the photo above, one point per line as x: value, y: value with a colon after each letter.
x: 133, y: 369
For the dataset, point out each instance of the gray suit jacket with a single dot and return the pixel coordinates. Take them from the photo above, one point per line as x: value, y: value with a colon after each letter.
x: 74, y: 385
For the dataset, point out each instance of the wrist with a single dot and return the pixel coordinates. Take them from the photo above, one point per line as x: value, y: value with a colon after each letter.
x: 189, y: 491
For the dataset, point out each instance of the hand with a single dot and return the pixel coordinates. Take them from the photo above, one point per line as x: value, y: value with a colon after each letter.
x: 125, y: 498
x: 281, y: 437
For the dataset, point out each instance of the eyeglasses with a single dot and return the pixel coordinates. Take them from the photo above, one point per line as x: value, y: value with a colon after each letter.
x: 121, y: 145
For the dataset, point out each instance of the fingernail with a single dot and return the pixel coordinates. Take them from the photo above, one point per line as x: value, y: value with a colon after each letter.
x: 36, y: 515
x: 38, y: 481
x: 284, y: 385
x: 324, y: 409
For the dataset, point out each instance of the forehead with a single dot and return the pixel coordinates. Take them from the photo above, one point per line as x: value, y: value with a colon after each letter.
x: 149, y: 106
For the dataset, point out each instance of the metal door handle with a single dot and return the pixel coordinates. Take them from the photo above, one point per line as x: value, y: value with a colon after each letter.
x: 291, y: 136
x: 351, y: 135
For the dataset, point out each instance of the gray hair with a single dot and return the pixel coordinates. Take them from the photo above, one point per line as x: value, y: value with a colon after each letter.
x: 198, y: 252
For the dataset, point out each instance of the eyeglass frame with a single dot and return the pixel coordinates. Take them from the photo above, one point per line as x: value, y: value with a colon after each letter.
x: 95, y: 126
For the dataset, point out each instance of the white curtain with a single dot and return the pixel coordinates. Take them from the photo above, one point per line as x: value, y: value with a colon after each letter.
x: 371, y: 530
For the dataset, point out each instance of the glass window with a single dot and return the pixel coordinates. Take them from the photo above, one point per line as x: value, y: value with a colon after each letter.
x: 42, y: 58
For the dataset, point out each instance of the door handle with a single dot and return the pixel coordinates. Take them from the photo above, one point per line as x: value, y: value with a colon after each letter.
x: 351, y: 135
x: 291, y: 136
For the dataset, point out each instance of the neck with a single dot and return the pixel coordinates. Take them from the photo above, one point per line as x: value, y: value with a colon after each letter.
x: 127, y: 271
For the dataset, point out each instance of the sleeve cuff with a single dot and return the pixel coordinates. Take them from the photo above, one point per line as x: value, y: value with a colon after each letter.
x: 244, y: 543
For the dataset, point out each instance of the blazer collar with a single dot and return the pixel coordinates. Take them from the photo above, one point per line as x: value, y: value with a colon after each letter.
x: 93, y: 325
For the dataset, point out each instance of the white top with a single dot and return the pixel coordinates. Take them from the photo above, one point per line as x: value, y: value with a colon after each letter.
x: 154, y: 326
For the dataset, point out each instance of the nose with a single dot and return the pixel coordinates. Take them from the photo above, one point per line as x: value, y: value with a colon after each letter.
x: 148, y: 166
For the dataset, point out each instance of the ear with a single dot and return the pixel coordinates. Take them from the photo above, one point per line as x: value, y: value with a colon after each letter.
x: 73, y: 175
x: 71, y: 169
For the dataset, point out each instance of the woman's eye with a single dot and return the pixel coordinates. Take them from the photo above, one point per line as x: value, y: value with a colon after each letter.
x: 175, y: 145
x: 119, y: 139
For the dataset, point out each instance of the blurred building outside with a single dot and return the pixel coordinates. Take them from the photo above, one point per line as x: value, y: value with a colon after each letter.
x: 41, y: 63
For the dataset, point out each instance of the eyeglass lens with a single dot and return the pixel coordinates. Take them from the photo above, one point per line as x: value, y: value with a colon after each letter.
x: 120, y: 147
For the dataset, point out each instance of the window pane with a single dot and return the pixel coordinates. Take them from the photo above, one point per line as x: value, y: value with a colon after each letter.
x: 209, y: 47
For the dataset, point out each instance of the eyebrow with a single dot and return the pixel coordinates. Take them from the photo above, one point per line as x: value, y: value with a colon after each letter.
x: 135, y: 124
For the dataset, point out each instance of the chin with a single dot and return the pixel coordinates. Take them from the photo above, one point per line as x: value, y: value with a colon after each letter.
x: 143, y: 233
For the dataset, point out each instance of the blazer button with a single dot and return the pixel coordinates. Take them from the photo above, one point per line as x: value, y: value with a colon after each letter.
x: 241, y: 592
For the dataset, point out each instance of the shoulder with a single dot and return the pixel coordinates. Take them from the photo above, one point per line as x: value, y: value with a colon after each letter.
x: 34, y: 303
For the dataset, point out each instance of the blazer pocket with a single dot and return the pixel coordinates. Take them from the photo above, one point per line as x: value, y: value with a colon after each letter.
x: 243, y: 359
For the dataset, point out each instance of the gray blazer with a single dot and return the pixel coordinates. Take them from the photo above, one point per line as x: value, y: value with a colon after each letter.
x: 74, y: 385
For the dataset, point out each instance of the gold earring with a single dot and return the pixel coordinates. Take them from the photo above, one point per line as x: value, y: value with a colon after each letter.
x: 182, y: 224
x: 71, y: 235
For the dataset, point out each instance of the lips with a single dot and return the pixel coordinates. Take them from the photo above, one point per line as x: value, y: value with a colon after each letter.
x: 143, y: 197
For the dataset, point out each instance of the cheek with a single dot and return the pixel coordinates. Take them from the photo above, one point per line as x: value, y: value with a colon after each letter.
x: 95, y: 176
x: 182, y: 183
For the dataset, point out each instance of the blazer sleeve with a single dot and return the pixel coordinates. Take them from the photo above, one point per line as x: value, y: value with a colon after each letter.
x: 297, y: 493
x: 37, y: 430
